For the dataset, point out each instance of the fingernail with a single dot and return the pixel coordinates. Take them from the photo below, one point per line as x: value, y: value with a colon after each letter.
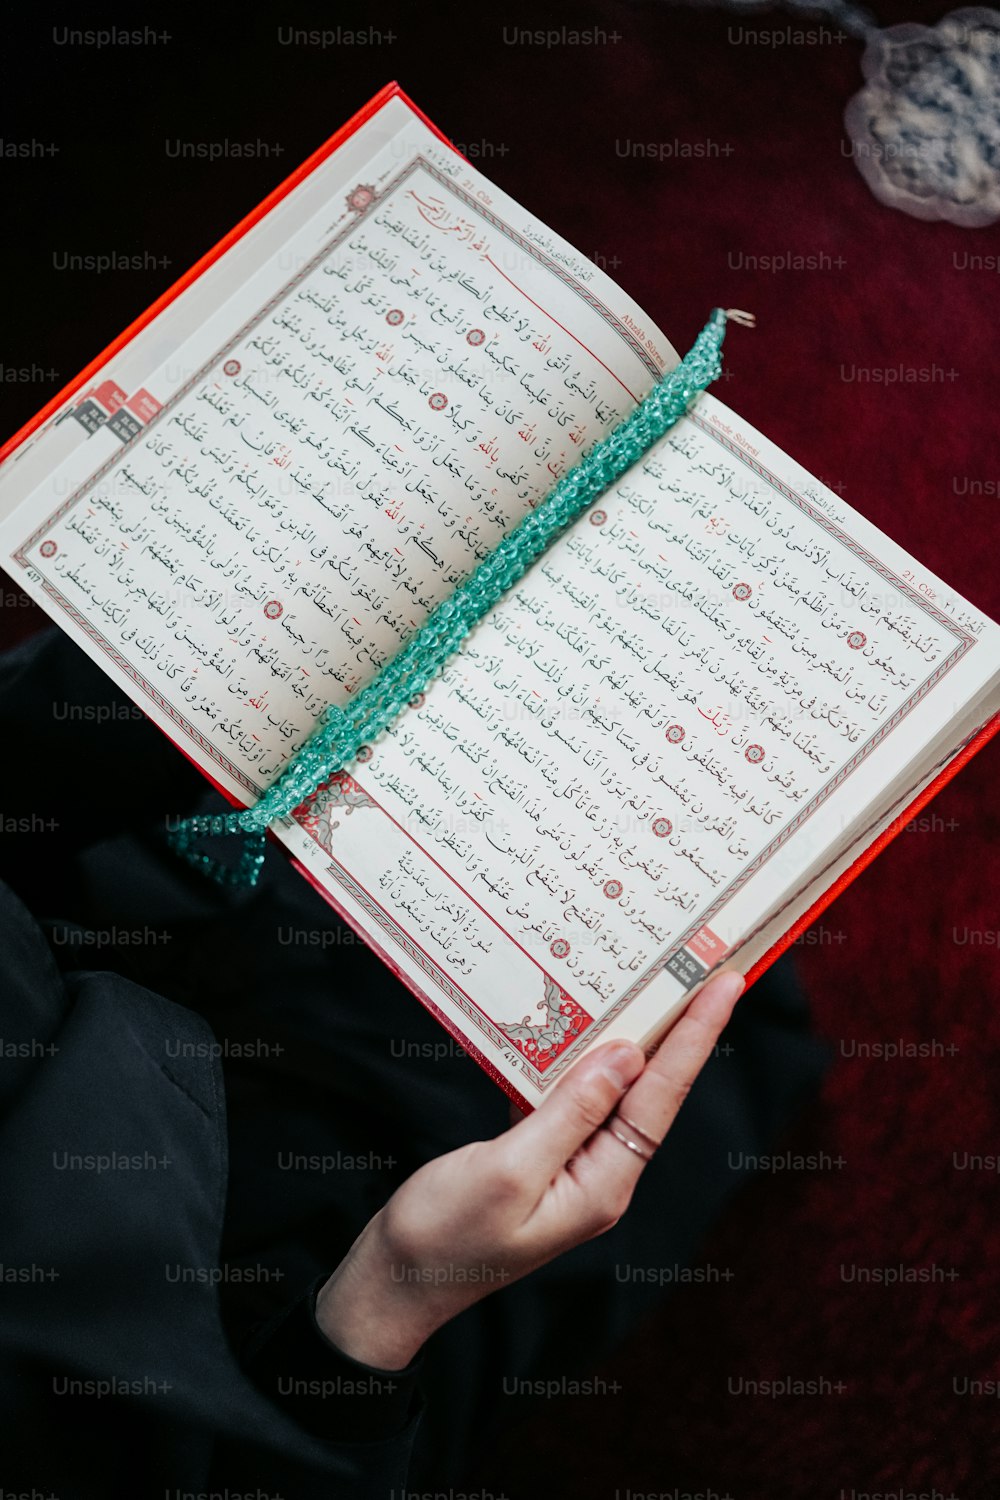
x: 622, y: 1063
x: 729, y: 986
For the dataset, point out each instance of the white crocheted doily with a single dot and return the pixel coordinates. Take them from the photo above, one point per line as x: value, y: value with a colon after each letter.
x: 925, y: 129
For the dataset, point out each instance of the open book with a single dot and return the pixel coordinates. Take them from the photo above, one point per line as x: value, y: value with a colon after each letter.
x: 705, y: 706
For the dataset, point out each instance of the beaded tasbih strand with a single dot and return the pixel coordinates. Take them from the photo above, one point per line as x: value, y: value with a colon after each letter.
x: 343, y: 729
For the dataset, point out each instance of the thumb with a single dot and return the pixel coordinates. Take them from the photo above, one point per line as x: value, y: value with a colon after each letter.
x: 578, y: 1105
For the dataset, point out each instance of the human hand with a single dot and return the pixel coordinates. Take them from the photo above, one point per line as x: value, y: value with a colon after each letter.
x: 476, y: 1219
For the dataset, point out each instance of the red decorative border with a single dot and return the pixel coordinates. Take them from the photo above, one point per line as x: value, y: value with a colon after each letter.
x: 538, y: 1058
x: 965, y: 642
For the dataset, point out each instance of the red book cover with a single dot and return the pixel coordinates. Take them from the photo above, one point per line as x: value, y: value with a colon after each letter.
x: 113, y: 405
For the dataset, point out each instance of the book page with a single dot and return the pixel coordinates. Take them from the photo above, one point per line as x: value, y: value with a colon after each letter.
x: 690, y: 700
x: 251, y: 533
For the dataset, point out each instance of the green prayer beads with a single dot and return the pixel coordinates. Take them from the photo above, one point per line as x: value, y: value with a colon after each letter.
x: 342, y: 730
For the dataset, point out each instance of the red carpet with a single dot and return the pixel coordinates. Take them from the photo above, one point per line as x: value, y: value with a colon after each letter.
x: 911, y: 952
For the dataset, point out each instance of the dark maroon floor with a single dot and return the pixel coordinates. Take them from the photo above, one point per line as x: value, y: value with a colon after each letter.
x: 912, y: 951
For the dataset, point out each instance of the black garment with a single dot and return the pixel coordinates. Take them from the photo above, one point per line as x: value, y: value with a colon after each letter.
x: 117, y: 1377
x: 337, y: 1085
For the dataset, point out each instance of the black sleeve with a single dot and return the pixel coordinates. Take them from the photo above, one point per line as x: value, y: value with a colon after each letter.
x: 324, y: 1390
x: 116, y: 1378
x: 59, y: 710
